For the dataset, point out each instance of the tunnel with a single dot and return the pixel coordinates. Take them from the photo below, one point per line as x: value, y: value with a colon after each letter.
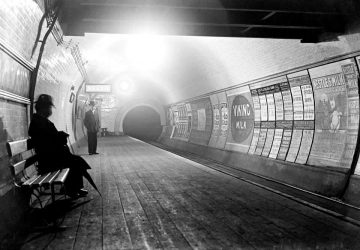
x: 142, y: 123
x: 179, y: 124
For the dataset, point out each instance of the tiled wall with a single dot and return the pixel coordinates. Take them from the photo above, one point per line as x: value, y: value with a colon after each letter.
x: 19, y: 20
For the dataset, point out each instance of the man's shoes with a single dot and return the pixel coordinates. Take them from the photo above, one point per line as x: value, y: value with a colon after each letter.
x: 80, y: 193
x: 96, y: 153
x: 73, y: 195
x: 83, y: 192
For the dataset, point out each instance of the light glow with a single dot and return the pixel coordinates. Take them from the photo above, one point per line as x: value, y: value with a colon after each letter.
x: 124, y: 87
x: 146, y: 52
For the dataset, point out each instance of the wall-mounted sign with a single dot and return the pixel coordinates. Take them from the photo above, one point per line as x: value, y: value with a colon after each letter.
x: 241, y: 119
x: 98, y: 88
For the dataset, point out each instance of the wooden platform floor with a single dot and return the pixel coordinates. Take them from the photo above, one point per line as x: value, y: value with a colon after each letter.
x: 152, y: 199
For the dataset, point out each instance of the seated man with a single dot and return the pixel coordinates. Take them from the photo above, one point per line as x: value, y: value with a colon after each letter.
x: 52, y: 150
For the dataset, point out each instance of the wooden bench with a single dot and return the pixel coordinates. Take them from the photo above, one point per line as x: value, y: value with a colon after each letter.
x: 23, y: 162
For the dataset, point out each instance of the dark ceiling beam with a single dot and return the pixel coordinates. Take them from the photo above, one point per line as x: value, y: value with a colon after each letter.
x: 226, y: 25
x: 332, y: 22
x: 293, y: 6
x: 133, y: 9
x: 199, y: 29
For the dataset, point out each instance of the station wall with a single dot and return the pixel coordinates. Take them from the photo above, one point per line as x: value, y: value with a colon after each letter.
x: 58, y: 76
x: 305, y: 119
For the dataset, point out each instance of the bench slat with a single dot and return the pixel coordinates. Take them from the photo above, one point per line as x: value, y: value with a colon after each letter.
x: 62, y: 176
x: 17, y: 147
x: 40, y: 180
x: 18, y: 167
x: 22, y: 165
x: 51, y: 177
x: 31, y: 180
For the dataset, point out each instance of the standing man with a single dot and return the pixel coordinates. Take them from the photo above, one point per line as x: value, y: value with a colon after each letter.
x: 92, y: 125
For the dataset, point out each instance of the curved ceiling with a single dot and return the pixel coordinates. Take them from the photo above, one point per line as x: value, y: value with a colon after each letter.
x: 179, y: 68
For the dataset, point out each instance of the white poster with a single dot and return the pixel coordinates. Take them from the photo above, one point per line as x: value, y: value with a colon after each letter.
x: 201, y: 119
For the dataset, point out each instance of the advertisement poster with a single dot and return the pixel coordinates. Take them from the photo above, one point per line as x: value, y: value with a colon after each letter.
x: 279, y: 105
x: 284, y: 116
x: 224, y: 120
x: 220, y: 120
x: 271, y: 107
x: 276, y: 143
x: 189, y: 118
x: 261, y: 141
x: 182, y: 123
x: 257, y: 119
x: 297, y: 102
x: 305, y: 145
x: 241, y: 120
x: 335, y: 88
x: 287, y: 100
x: 308, y: 100
x: 254, y: 141
x: 272, y: 110
x: 355, y: 116
x: 294, y: 145
x: 263, y: 108
x: 173, y: 120
x: 201, y: 121
x: 216, y: 120
x: 256, y: 104
x: 285, y: 144
x: 269, y: 138
x: 303, y: 106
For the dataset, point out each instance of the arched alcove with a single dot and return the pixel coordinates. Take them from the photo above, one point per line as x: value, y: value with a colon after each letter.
x: 142, y: 122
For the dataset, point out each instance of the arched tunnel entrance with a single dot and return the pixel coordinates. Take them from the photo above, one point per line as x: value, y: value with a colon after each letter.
x: 142, y: 122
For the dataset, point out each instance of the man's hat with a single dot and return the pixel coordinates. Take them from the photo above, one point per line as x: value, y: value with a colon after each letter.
x: 92, y: 103
x: 45, y: 100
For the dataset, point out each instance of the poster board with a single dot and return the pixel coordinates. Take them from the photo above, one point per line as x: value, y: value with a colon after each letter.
x: 174, y: 119
x: 182, y: 123
x: 336, y: 114
x: 216, y: 120
x: 241, y: 119
x: 202, y: 121
x: 220, y: 120
x: 303, y: 117
x: 270, y: 112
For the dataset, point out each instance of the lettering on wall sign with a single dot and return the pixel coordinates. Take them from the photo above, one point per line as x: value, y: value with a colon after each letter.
x: 242, y: 119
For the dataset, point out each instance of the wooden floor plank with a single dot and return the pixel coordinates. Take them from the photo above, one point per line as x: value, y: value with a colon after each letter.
x: 115, y: 232
x: 168, y: 234
x: 141, y: 232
